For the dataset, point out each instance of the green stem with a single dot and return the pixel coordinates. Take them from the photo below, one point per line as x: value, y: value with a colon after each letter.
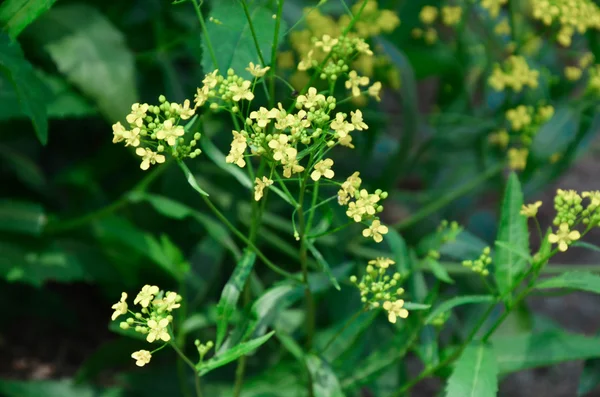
x: 448, y: 198
x: 192, y: 366
x: 211, y: 51
x: 254, y: 37
x: 273, y: 71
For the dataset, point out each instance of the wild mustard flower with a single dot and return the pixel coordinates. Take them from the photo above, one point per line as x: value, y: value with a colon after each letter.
x: 322, y: 169
x: 569, y: 15
x: 238, y: 147
x: 170, y: 132
x: 564, y: 237
x: 376, y: 230
x: 146, y: 295
x: 120, y: 307
x: 374, y: 91
x: 241, y: 91
x: 530, y: 210
x: 257, y: 70
x: 382, y: 262
x: 260, y: 185
x: 262, y: 116
x: 395, y: 310
x: 149, y: 157
x: 500, y: 138
x: 519, y: 117
x: 137, y: 115
x: 141, y: 357
x: 502, y: 28
x: 158, y: 330
x: 357, y: 121
x: 355, y: 81
x: 493, y: 6
x: 515, y: 74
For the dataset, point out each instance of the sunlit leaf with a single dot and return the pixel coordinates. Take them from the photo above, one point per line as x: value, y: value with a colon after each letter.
x: 475, y: 373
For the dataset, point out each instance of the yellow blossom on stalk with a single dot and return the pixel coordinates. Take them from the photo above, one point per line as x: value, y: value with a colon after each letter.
x: 186, y: 112
x: 493, y: 6
x: 376, y: 230
x: 341, y: 126
x: 211, y: 79
x: 326, y: 43
x: 355, y: 81
x: 517, y: 159
x: 519, y: 117
x: 571, y: 15
x: 291, y: 166
x: 169, y: 132
x: 374, y: 91
x: 395, y: 309
x: 138, y: 112
x: 238, y: 147
x: 502, y: 28
x: 132, y: 138
x: 282, y: 151
x: 514, y: 73
x: 146, y: 295
x: 120, y: 307
x: 530, y: 210
x: 256, y: 70
x: 241, y: 91
x: 500, y: 138
x: 428, y: 14
x: 381, y: 262
x: 347, y: 140
x: 451, y: 15
x: 263, y: 116
x: 118, y: 132
x: 259, y: 187
x: 149, y: 157
x: 545, y: 113
x: 158, y: 330
x: 349, y: 188
x: 367, y: 202
x: 201, y: 96
x: 141, y: 357
x: 322, y: 168
x: 169, y: 302
x: 311, y: 99
x: 573, y: 73
x: 357, y: 120
x: 563, y: 237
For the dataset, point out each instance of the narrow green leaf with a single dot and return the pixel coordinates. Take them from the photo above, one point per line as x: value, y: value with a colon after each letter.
x: 438, y: 270
x: 519, y: 352
x: 583, y: 244
x: 416, y: 306
x: 32, y: 94
x: 513, y: 236
x: 271, y: 303
x: 25, y: 168
x: 16, y: 15
x: 457, y: 301
x: 556, y: 134
x: 190, y: 178
x: 465, y: 246
x: 348, y: 336
x: 582, y: 281
x: 321, y: 260
x: 325, y: 382
x: 232, y: 354
x: 399, y: 251
x: 475, y: 374
x: 232, y: 40
x: 231, y: 293
x: 22, y: 217
x: 92, y: 54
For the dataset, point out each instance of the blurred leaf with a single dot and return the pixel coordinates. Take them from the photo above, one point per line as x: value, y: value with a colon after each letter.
x: 589, y: 378
x: 349, y: 333
x: 232, y: 354
x: 24, y: 168
x: 475, y: 373
x: 16, y: 15
x: 556, y: 134
x: 66, y: 102
x: 272, y: 302
x: 439, y: 60
x: 583, y: 244
x: 321, y: 260
x: 519, y: 352
x: 465, y: 246
x: 325, y: 382
x: 416, y: 306
x: 190, y: 178
x: 581, y: 281
x: 457, y: 301
x: 22, y: 217
x: 514, y: 235
x: 399, y: 251
x: 232, y: 40
x: 92, y: 54
x: 231, y: 293
x: 438, y: 270
x: 32, y: 94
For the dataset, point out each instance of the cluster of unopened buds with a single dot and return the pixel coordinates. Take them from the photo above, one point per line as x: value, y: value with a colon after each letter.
x: 480, y: 264
x: 378, y: 289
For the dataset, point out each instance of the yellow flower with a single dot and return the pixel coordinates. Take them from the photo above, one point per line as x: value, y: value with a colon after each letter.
x: 349, y: 188
x: 118, y: 132
x: 564, y: 237
x: 210, y: 80
x: 120, y: 307
x: 158, y: 330
x: 322, y: 168
x: 565, y: 36
x: 367, y: 202
x: 382, y: 263
x: 291, y: 166
x: 493, y: 6
x: 282, y: 151
x: 451, y: 15
x: 395, y: 309
x: 138, y: 112
x: 586, y: 60
x: 149, y: 157
x: 341, y: 126
x: 186, y: 112
x: 519, y: 117
x: 238, y: 147
x: 201, y: 96
x: 169, y: 302
x: 573, y: 73
x: 374, y: 90
x: 263, y: 116
x: 326, y: 43
x: 428, y: 14
x: 241, y: 91
x: 530, y: 210
x: 517, y: 159
x: 545, y: 113
x: 355, y: 81
x: 259, y: 187
x: 357, y: 120
x: 311, y: 99
x: 141, y: 357
x: 376, y: 230
x: 132, y: 138
x: 346, y: 140
x: 170, y: 133
x: 256, y: 70
x: 355, y: 212
x: 146, y: 295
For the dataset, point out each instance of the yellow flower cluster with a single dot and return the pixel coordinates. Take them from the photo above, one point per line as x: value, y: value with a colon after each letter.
x: 380, y: 290
x: 153, y: 320
x: 515, y: 74
x: 493, y: 7
x: 574, y: 72
x: 480, y: 264
x: 450, y: 16
x: 570, y: 15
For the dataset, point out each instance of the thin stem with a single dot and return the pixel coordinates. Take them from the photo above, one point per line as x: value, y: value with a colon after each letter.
x: 273, y: 71
x: 254, y: 37
x: 211, y: 51
x: 192, y: 366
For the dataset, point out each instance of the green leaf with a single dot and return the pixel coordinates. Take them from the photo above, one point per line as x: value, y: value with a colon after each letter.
x: 589, y: 378
x: 582, y: 281
x: 190, y: 178
x: 92, y: 54
x: 583, y: 244
x: 27, y: 170
x: 46, y: 388
x: 475, y: 374
x: 325, y: 382
x: 16, y: 15
x: 22, y: 217
x: 232, y: 354
x: 399, y: 251
x: 231, y: 293
x: 438, y: 270
x: 347, y: 337
x: 321, y: 260
x: 232, y: 40
x: 32, y: 94
x: 519, y: 352
x: 457, y: 301
x: 465, y: 246
x: 272, y: 302
x: 410, y: 306
x: 66, y: 102
x: 514, y: 235
x: 556, y: 134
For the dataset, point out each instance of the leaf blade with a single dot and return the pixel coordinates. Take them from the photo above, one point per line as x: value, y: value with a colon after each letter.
x: 475, y: 374
x: 16, y: 15
x: 457, y: 301
x: 582, y: 281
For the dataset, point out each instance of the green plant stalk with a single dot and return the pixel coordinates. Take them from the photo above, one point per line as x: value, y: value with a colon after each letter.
x: 211, y: 51
x: 448, y: 198
x: 273, y: 71
x: 191, y: 365
x: 254, y: 37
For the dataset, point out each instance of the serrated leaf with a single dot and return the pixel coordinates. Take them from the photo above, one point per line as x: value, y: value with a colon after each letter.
x: 519, y: 352
x: 16, y: 15
x: 582, y: 281
x: 321, y: 260
x: 92, y: 54
x: 457, y: 301
x: 31, y: 93
x: 232, y: 354
x: 231, y: 293
x: 232, y: 40
x: 22, y: 217
x: 325, y: 382
x: 475, y: 374
x: 513, y: 233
